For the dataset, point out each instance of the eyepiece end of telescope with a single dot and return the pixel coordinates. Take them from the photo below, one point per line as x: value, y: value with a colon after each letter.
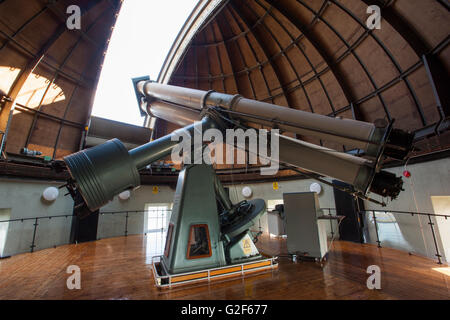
x: 387, y: 184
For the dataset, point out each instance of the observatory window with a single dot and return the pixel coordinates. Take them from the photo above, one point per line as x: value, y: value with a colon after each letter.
x: 199, y: 245
x: 158, y: 217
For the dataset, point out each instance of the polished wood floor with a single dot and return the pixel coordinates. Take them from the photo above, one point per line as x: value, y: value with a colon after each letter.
x: 119, y: 268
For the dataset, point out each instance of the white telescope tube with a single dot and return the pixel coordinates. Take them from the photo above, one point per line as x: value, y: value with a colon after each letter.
x: 173, y: 113
x: 344, y: 167
x: 357, y: 134
x: 191, y: 98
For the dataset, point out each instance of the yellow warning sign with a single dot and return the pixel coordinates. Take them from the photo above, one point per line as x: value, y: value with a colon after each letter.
x: 246, y: 246
x: 275, y: 186
x: 155, y: 190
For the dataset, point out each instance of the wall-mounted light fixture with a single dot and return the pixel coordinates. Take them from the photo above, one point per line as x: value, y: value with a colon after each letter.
x: 50, y: 194
x: 125, y: 195
x: 247, y: 192
x: 315, y: 187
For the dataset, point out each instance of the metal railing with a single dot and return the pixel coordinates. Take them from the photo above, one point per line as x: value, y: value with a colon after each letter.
x: 373, y: 214
x: 38, y: 221
x: 161, y: 214
x: 331, y: 220
x: 128, y: 213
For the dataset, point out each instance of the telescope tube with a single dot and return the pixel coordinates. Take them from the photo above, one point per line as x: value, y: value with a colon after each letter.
x: 358, y: 134
x: 173, y: 113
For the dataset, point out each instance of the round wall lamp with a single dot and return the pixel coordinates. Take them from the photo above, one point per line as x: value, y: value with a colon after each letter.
x: 125, y: 195
x: 247, y: 192
x: 50, y: 194
x: 315, y: 187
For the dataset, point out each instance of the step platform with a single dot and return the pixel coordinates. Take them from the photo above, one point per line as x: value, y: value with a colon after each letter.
x: 165, y: 280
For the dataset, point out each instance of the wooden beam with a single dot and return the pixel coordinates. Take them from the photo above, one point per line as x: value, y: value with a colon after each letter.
x: 6, y: 112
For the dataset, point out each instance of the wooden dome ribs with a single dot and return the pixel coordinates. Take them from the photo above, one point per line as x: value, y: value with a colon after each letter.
x: 368, y: 74
x: 96, y: 55
x: 228, y: 56
x: 23, y: 76
x: 265, y: 52
x: 406, y: 73
x: 345, y: 87
x: 219, y: 58
x: 239, y: 20
x: 242, y: 59
x: 296, y: 44
x: 266, y: 85
x: 354, y: 54
x: 279, y: 72
x: 389, y: 55
x: 87, y: 83
x: 257, y: 66
x: 210, y: 86
x: 57, y: 72
x: 439, y: 79
x: 196, y: 65
x: 299, y: 47
x: 182, y: 67
x: 31, y: 65
x: 234, y: 37
x: 59, y: 55
x: 62, y: 16
x: 24, y: 25
x: 282, y: 47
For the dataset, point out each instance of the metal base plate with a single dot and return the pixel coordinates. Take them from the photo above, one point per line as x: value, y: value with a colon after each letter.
x: 165, y: 280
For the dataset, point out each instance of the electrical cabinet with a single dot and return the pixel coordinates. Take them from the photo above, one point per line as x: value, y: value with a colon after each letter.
x: 306, y: 235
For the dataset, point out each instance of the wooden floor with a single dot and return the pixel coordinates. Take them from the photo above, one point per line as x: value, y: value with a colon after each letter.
x: 119, y: 268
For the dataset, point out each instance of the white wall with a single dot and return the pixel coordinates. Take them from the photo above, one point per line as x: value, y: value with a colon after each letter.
x: 427, y: 180
x: 24, y: 198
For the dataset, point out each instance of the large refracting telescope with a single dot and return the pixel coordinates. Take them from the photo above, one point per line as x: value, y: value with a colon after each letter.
x: 204, y: 222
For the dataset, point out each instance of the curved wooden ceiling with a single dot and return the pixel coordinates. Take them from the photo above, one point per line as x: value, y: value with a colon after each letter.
x: 51, y: 71
x: 314, y: 55
x: 319, y: 56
